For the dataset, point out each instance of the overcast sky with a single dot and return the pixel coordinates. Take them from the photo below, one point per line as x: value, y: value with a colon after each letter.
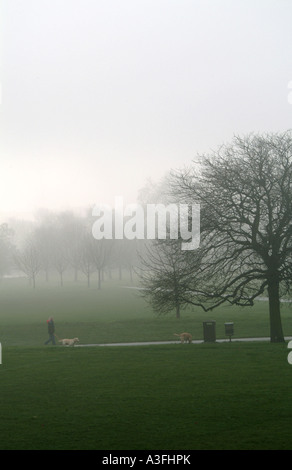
x: 99, y: 95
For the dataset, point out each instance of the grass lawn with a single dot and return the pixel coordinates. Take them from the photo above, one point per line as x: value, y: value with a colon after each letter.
x: 209, y: 396
x: 163, y: 397
x: 112, y: 314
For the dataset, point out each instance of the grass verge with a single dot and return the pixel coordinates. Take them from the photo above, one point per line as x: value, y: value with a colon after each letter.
x: 208, y: 396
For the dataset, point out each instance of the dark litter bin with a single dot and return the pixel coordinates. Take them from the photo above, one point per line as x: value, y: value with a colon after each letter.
x: 229, y: 329
x: 209, y: 328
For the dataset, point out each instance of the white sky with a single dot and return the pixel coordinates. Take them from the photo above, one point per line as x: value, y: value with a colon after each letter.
x: 99, y: 95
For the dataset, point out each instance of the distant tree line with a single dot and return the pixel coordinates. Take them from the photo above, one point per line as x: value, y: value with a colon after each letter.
x: 59, y: 243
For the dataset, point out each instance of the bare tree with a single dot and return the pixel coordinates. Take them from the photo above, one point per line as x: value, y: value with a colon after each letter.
x: 86, y: 263
x: 6, y: 249
x: 74, y: 230
x: 61, y: 257
x: 101, y: 252
x: 125, y: 253
x: 245, y: 192
x: 162, y: 274
x: 44, y: 244
x: 28, y: 260
x: 66, y: 233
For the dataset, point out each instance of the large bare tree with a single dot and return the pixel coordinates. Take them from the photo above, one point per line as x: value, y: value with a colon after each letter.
x: 245, y: 193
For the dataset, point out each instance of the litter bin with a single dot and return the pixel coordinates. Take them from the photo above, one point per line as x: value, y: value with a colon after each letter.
x: 209, y: 328
x: 229, y: 329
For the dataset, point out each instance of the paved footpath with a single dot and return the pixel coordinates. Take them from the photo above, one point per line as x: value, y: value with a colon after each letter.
x: 149, y: 343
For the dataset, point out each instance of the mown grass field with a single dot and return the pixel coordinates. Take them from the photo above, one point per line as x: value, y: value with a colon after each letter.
x: 176, y: 397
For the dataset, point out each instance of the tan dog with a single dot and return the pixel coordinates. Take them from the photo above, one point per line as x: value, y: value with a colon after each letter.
x: 185, y: 337
x: 69, y: 342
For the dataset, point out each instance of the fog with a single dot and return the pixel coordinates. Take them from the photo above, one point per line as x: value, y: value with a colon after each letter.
x: 98, y: 96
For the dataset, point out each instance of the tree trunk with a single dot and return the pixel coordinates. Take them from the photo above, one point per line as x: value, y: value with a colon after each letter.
x: 177, y: 310
x: 131, y: 273
x: 276, y: 331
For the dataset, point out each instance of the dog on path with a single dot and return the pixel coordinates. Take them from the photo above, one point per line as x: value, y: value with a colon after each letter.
x: 185, y: 337
x: 69, y: 342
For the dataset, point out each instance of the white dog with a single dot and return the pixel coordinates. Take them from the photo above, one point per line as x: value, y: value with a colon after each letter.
x: 69, y: 342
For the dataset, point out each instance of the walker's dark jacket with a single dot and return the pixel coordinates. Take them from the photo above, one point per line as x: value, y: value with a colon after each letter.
x: 51, y: 327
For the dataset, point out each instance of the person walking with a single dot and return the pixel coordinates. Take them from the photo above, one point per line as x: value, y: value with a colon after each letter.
x: 51, y: 331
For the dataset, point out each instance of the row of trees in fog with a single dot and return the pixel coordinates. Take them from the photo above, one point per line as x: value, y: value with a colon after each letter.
x: 58, y: 243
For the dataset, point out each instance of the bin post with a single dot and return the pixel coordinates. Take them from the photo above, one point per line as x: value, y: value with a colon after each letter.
x: 229, y: 329
x: 209, y: 330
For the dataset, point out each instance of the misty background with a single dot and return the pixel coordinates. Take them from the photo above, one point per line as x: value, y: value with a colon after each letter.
x: 100, y: 96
